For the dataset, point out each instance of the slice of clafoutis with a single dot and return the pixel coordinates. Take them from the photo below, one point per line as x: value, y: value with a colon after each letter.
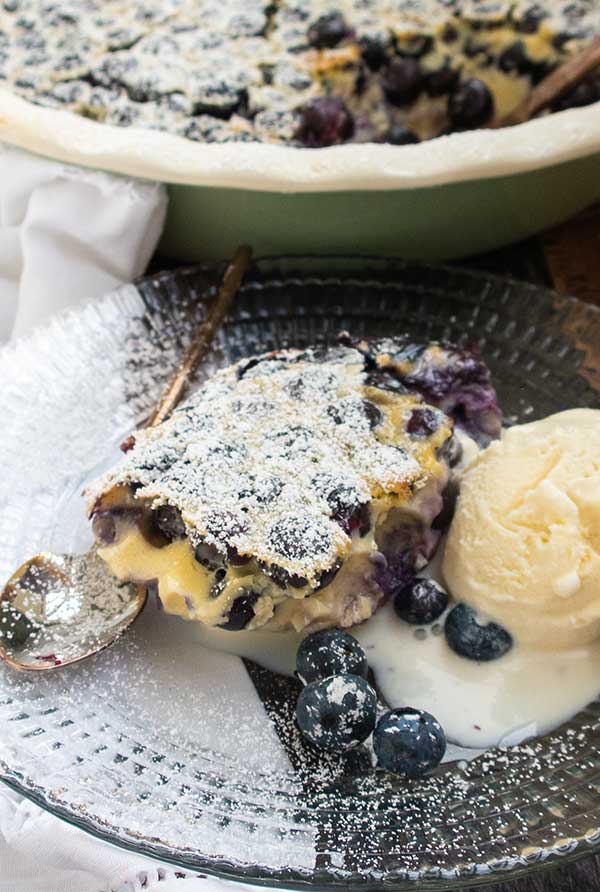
x: 297, y: 489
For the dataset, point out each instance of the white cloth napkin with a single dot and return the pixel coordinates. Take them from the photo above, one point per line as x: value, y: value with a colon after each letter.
x: 68, y: 234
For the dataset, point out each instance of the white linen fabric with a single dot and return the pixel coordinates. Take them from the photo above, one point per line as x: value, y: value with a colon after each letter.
x: 39, y: 853
x: 68, y: 234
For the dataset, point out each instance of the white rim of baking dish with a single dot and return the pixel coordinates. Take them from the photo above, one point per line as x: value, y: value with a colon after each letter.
x: 156, y: 155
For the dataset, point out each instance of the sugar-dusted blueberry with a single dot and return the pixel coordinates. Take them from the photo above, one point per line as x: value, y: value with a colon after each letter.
x: 330, y: 652
x: 348, y: 507
x: 474, y: 640
x: 373, y: 413
x: 325, y: 121
x: 402, y: 81
x: 241, y: 612
x: 169, y: 521
x: 298, y: 536
x: 349, y: 410
x: 327, y: 31
x: 531, y: 20
x: 15, y: 628
x: 471, y: 104
x: 420, y: 602
x: 398, y: 135
x: 423, y: 422
x: 409, y: 742
x: 224, y: 525
x: 288, y: 442
x: 337, y: 713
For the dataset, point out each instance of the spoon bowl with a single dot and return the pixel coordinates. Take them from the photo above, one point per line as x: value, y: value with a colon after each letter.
x: 59, y: 609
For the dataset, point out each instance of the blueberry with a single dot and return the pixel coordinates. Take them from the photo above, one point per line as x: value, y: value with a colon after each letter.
x: 208, y: 555
x: 325, y: 121
x: 346, y: 411
x: 328, y: 30
x: 514, y: 58
x: 385, y: 381
x: 241, y: 612
x: 282, y: 578
x: 409, y: 742
x: 169, y: 521
x: 297, y: 537
x: 442, y: 81
x: 402, y: 81
x: 422, y: 423
x: 15, y: 627
x: 373, y: 52
x: 397, y: 135
x: 330, y: 652
x: 471, y: 105
x: 531, y: 21
x: 337, y: 713
x: 470, y: 639
x: 585, y: 93
x: 420, y: 602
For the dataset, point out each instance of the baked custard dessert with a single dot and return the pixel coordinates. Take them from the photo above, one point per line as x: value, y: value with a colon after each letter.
x: 297, y: 489
x: 300, y: 72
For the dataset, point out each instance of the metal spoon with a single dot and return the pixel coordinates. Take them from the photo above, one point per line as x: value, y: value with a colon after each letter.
x: 59, y: 609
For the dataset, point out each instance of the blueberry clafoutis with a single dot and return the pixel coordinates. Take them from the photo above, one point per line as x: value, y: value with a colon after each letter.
x: 306, y: 73
x: 299, y: 489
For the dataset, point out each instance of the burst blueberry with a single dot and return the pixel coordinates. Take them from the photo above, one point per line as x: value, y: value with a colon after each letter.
x: 409, y: 742
x: 473, y: 640
x: 330, y: 652
x: 402, y: 81
x: 420, y: 602
x: 325, y: 121
x: 337, y: 713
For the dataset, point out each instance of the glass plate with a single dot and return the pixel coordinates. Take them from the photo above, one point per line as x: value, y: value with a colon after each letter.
x: 192, y: 757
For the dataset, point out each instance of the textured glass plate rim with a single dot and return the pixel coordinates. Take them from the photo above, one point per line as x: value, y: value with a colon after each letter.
x: 564, y: 850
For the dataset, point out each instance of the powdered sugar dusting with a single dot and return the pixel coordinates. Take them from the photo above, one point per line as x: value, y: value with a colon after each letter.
x: 245, y: 459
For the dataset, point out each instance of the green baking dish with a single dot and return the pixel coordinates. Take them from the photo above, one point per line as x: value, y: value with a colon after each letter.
x: 448, y: 197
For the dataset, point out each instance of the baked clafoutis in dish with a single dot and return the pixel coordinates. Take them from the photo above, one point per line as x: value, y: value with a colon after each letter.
x: 299, y: 72
x: 297, y: 489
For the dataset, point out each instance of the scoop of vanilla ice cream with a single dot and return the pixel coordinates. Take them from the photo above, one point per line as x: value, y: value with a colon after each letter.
x: 524, y: 545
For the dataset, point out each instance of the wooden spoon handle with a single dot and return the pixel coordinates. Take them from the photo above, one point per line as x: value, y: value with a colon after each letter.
x: 552, y: 87
x: 202, y: 340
